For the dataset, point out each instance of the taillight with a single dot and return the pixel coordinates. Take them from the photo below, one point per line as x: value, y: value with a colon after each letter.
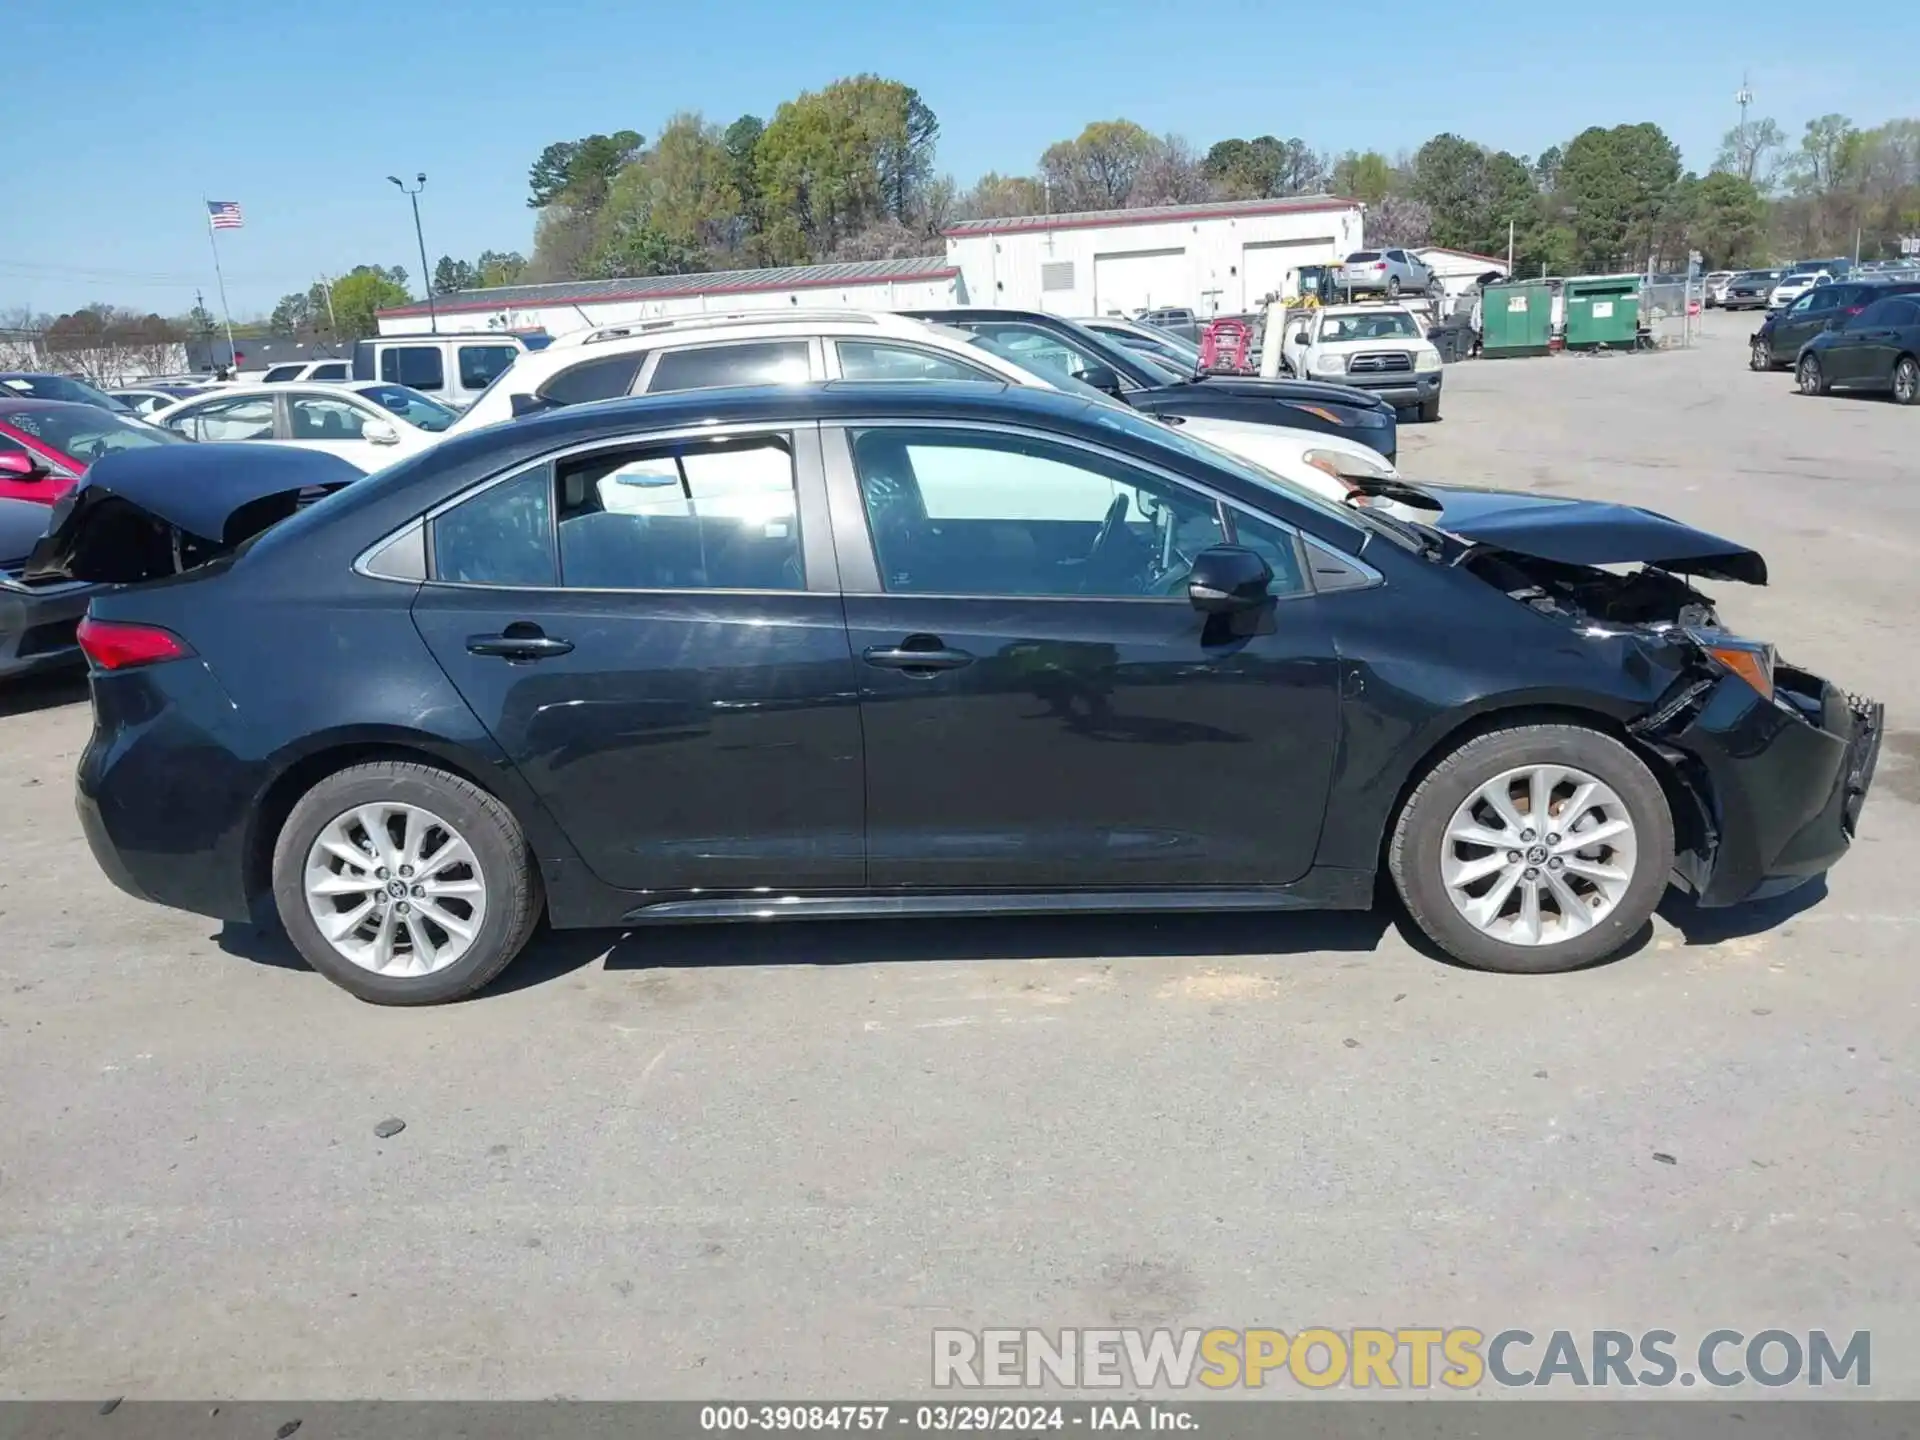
x: 119, y: 645
x: 1379, y: 264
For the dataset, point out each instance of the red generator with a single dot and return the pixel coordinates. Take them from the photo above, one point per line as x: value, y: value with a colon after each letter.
x: 1227, y: 348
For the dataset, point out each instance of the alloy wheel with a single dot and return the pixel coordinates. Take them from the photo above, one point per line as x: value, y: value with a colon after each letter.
x: 1762, y: 359
x: 1538, y: 855
x: 1906, y: 382
x: 1809, y: 376
x: 395, y: 889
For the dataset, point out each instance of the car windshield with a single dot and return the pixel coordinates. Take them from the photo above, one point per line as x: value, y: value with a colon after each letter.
x: 1053, y: 377
x: 1164, y: 348
x: 410, y: 405
x: 59, y: 387
x: 1382, y: 325
x: 86, y: 432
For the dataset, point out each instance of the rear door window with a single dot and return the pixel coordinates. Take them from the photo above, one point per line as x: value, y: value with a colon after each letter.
x: 481, y: 364
x: 418, y: 366
x: 753, y: 362
x: 502, y: 536
x: 336, y: 370
x: 602, y: 379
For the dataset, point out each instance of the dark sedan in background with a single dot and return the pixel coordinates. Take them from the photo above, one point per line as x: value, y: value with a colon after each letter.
x: 1878, y: 349
x: 912, y: 650
x: 1776, y: 344
x: 37, y: 620
x: 1153, y: 387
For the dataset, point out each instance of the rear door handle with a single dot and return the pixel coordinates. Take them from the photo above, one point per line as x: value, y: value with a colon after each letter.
x: 517, y: 647
x: 888, y: 657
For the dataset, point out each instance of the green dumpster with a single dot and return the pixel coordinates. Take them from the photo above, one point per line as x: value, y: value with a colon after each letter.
x: 1515, y: 319
x: 1603, y: 312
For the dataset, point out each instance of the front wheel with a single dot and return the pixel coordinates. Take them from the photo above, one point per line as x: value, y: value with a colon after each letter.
x: 1761, y: 357
x: 404, y: 884
x: 1393, y: 287
x: 1534, y: 849
x: 1906, y: 381
x: 1430, y: 409
x: 1812, y: 379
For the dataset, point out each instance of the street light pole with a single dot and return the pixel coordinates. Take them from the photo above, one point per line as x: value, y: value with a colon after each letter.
x: 426, y: 276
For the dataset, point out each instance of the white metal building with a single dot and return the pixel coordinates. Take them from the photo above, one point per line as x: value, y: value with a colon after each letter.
x: 1458, y: 269
x: 1219, y: 258
x: 917, y: 283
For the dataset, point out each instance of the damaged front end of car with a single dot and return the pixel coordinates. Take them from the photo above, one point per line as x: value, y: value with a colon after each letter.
x: 146, y: 514
x: 1766, y: 766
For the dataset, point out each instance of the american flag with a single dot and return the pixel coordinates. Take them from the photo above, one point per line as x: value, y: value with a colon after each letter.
x: 223, y: 214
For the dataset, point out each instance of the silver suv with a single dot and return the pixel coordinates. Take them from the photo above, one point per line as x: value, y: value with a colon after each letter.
x: 1387, y: 271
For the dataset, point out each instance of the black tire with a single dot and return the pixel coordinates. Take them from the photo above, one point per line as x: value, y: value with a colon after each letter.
x: 1906, y: 381
x: 1430, y: 409
x: 1393, y: 287
x: 1760, y: 357
x: 505, y: 866
x: 1808, y: 375
x: 1414, y: 856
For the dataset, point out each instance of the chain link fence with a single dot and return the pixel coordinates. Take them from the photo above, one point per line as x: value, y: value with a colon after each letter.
x: 1670, y: 308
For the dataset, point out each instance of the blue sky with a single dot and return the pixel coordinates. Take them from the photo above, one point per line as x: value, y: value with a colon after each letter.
x: 122, y: 114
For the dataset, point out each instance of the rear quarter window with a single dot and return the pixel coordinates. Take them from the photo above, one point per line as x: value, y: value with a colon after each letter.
x: 607, y: 378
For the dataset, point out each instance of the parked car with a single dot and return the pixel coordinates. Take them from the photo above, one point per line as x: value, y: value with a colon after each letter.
x: 1715, y: 284
x: 1776, y: 345
x: 28, y: 385
x: 1751, y: 289
x: 453, y: 369
x: 46, y: 445
x: 1153, y: 388
x: 1796, y: 284
x: 1173, y: 320
x: 1878, y: 349
x: 1181, y: 355
x: 1381, y: 349
x: 147, y: 400
x: 1386, y: 272
x: 572, y: 702
x: 323, y: 369
x: 37, y: 621
x: 368, y: 424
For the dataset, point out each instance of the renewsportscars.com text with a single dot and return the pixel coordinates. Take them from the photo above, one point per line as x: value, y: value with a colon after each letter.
x: 1416, y: 1358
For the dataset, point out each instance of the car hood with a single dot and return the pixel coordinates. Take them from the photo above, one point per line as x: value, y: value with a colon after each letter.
x: 1309, y: 392
x: 142, y: 513
x: 1581, y: 532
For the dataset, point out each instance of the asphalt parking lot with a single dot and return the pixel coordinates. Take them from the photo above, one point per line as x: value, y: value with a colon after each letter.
x: 731, y: 1162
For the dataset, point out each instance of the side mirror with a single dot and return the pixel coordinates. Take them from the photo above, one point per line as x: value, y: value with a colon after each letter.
x: 1102, y: 378
x: 19, y: 465
x: 379, y: 432
x: 1227, y: 579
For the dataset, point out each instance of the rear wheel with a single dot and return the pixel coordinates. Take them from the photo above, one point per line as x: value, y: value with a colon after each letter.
x: 1430, y: 409
x: 1393, y: 287
x: 1906, y: 381
x: 1812, y: 379
x: 404, y: 884
x: 1532, y: 850
x: 1761, y: 357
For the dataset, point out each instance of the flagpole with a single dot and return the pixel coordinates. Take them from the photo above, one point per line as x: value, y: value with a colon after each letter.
x: 233, y: 360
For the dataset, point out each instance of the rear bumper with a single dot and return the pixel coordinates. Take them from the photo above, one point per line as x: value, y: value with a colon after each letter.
x: 1780, y: 785
x: 37, y: 627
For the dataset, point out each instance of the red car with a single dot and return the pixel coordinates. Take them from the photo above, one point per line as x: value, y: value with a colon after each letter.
x: 45, y: 445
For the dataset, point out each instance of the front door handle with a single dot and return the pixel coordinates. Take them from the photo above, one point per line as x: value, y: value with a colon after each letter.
x: 911, y: 657
x: 519, y: 642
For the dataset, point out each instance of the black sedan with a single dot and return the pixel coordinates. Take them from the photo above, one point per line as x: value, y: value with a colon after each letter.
x: 1751, y: 289
x: 37, y: 620
x: 912, y: 650
x: 1878, y: 349
x: 1150, y: 385
x: 1776, y: 344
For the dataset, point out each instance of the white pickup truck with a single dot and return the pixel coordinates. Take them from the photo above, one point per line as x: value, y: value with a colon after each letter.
x: 1381, y: 348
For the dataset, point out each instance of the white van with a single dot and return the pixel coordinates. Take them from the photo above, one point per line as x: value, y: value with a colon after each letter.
x: 453, y: 369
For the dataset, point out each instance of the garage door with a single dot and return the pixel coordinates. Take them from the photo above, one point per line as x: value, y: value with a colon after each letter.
x: 1140, y: 280
x: 1263, y: 267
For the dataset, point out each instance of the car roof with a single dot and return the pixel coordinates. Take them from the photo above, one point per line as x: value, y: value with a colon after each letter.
x: 10, y: 405
x: 260, y: 387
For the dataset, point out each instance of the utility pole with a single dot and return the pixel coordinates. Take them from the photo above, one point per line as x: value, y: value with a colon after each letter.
x: 426, y: 276
x: 1743, y: 97
x: 333, y: 321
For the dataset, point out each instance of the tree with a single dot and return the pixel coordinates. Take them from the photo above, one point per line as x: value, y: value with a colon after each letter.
x: 1172, y: 175
x: 363, y: 291
x: 451, y: 275
x: 1399, y: 220
x: 1826, y: 154
x: 576, y: 173
x: 1098, y: 169
x: 1617, y: 188
x: 1728, y: 221
x: 1749, y: 150
x: 681, y: 191
x: 1000, y: 197
x: 499, y: 267
x: 1263, y: 167
x: 1367, y: 177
